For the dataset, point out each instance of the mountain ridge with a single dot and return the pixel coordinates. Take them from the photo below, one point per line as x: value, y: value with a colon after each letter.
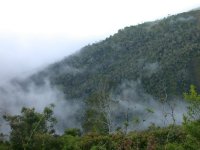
x: 160, y: 44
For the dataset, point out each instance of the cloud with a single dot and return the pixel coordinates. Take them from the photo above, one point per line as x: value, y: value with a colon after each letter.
x: 82, y: 19
x: 135, y: 102
x: 150, y: 68
x: 13, y: 97
x: 22, y: 56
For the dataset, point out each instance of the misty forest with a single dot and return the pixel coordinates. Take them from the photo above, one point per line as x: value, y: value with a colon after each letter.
x: 138, y: 89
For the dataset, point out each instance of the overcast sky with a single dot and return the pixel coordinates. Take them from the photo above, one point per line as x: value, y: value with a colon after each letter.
x: 34, y: 33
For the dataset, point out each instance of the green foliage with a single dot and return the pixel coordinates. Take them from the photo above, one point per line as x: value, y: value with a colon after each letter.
x: 186, y: 137
x: 94, y: 122
x: 192, y: 120
x: 193, y: 129
x: 192, y: 95
x: 46, y: 141
x: 30, y: 126
x: 157, y: 137
x: 193, y: 98
x: 94, y: 141
x: 4, y: 145
x: 101, y: 147
x: 193, y: 135
x: 94, y: 117
x: 73, y: 132
x: 70, y: 142
x: 174, y: 146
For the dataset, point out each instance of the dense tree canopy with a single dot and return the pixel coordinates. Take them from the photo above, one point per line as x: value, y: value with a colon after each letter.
x: 163, y: 53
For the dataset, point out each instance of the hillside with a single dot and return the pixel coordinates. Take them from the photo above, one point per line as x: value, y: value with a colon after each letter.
x: 131, y: 73
x: 163, y: 55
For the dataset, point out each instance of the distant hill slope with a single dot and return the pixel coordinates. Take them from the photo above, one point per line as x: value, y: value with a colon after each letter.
x: 163, y: 55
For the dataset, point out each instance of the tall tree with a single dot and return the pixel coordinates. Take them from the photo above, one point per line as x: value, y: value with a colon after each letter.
x: 25, y: 128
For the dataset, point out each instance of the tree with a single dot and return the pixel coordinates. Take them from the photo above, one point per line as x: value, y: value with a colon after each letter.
x: 192, y: 119
x: 29, y: 126
x: 94, y: 118
x: 193, y: 98
x: 99, y: 112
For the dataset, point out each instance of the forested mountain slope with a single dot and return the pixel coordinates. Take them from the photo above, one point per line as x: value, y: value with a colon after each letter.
x: 163, y: 56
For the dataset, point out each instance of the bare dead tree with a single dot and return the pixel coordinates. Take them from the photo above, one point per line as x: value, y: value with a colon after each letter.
x: 105, y: 106
x: 168, y: 110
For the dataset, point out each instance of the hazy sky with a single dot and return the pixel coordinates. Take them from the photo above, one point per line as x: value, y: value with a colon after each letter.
x: 34, y: 33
